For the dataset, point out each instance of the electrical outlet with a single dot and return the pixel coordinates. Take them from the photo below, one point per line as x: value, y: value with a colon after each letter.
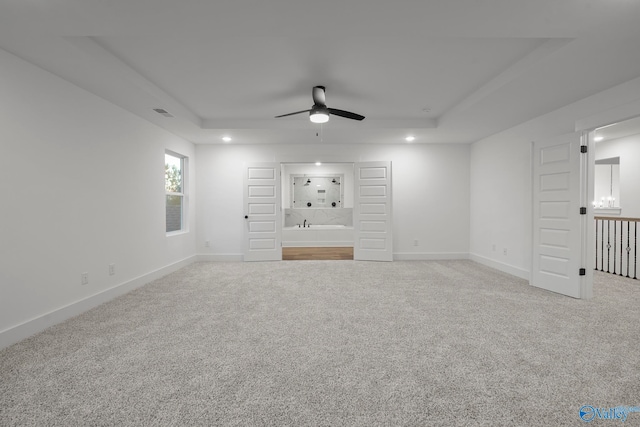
x: 84, y: 278
x: 504, y: 251
x: 206, y: 244
x: 112, y: 269
x: 416, y: 242
x: 493, y: 247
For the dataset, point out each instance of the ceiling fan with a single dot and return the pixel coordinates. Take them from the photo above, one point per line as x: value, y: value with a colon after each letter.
x: 319, y: 112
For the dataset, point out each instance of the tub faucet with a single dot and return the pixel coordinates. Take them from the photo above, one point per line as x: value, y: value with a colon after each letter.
x: 305, y: 223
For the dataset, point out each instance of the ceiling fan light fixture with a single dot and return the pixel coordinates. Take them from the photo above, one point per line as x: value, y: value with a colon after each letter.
x: 319, y: 116
x: 319, y: 113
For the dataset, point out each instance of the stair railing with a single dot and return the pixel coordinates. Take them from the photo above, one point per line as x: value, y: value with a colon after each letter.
x: 617, y: 245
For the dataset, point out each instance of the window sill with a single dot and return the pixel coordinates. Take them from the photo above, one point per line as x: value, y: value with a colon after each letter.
x: 176, y: 233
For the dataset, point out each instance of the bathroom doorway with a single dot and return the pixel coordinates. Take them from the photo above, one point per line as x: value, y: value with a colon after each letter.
x: 317, y: 206
x: 361, y: 217
x: 338, y: 205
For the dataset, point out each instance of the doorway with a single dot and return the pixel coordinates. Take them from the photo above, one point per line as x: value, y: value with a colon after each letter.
x: 268, y: 201
x: 578, y: 247
x: 317, y: 203
x: 616, y: 197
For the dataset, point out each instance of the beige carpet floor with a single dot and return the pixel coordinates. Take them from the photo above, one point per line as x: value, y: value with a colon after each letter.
x: 332, y: 343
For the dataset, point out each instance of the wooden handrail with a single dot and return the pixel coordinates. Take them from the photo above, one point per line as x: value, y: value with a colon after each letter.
x: 616, y: 218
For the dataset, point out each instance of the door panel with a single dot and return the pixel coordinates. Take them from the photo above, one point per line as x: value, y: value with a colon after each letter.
x: 263, y: 220
x: 557, y: 222
x: 372, y: 212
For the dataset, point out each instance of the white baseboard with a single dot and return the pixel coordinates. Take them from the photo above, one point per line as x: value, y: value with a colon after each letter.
x: 428, y: 256
x: 30, y: 327
x: 220, y: 257
x: 399, y: 256
x: 506, y: 268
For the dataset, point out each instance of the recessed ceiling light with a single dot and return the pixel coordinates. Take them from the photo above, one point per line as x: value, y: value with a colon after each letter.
x: 598, y: 138
x: 226, y: 138
x: 318, y: 163
x: 410, y: 138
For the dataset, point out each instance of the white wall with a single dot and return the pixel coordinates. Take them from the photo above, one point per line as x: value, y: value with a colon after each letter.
x: 83, y: 187
x: 628, y: 149
x: 501, y: 204
x: 430, y: 193
x: 500, y: 179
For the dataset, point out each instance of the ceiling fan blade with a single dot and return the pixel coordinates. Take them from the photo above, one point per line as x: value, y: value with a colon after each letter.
x: 291, y: 114
x: 319, y: 96
x: 346, y: 114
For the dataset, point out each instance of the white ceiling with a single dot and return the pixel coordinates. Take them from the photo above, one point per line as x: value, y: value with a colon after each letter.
x: 442, y: 70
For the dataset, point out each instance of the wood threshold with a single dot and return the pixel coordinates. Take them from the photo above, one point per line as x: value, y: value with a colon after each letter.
x: 317, y: 253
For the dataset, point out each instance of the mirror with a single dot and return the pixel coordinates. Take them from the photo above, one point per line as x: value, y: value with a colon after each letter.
x: 319, y: 192
x: 607, y: 183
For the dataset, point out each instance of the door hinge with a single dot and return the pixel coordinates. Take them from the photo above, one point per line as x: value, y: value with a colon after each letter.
x: 583, y: 148
x: 583, y: 211
x: 583, y: 271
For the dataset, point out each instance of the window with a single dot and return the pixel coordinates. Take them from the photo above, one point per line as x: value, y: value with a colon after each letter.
x: 174, y: 172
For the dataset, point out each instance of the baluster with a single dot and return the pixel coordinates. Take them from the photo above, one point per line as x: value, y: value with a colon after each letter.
x: 635, y: 248
x: 628, y: 247
x: 596, y: 239
x: 608, y: 244
x: 602, y: 245
x: 615, y: 236
x: 621, y: 238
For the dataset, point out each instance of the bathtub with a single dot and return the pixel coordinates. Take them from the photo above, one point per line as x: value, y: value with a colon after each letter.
x: 317, y: 235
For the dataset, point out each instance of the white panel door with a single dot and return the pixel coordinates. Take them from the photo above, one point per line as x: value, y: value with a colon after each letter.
x: 558, y: 226
x: 263, y: 219
x: 372, y: 212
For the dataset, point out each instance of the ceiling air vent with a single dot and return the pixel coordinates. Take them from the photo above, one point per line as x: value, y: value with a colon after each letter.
x: 163, y: 112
